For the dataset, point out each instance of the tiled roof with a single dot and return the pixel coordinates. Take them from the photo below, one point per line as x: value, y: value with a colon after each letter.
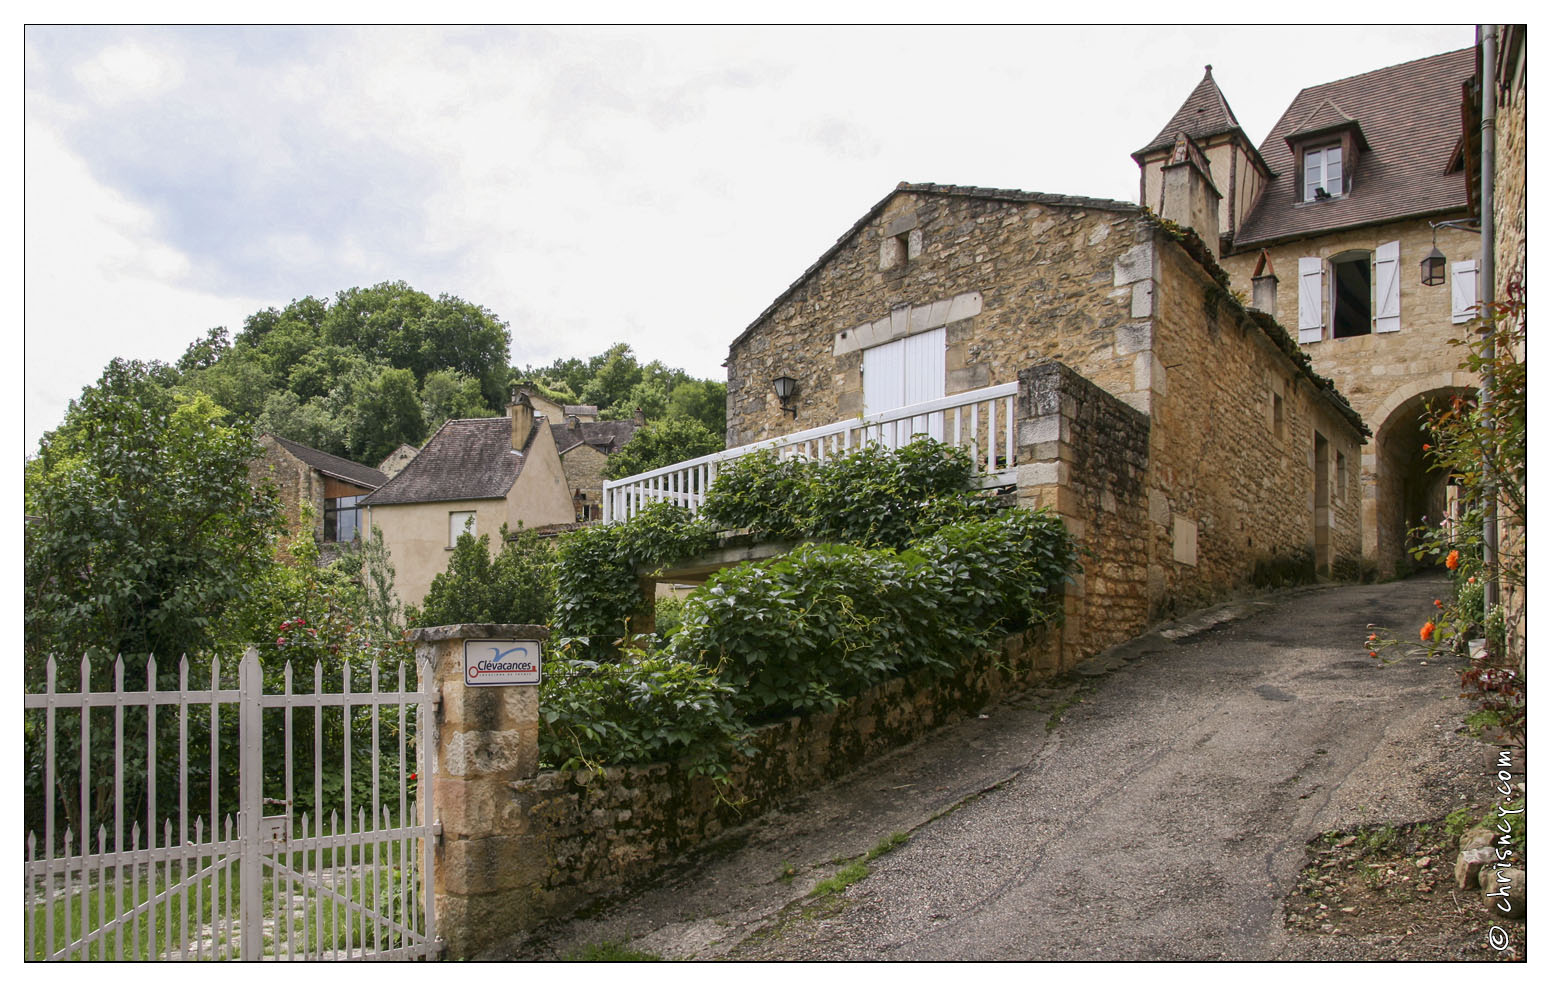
x: 467, y: 459
x: 1409, y: 115
x: 1205, y: 113
x: 335, y: 466
x: 928, y: 188
x: 605, y: 436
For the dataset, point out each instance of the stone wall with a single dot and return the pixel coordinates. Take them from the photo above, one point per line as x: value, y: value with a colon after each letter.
x: 582, y: 835
x: 1382, y: 375
x: 297, y: 484
x: 1083, y: 454
x: 1231, y: 473
x: 1015, y: 281
x: 1508, y: 188
x: 584, y: 471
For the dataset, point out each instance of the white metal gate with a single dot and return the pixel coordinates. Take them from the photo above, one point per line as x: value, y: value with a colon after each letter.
x: 270, y: 882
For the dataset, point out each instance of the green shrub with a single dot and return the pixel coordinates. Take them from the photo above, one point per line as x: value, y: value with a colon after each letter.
x: 599, y: 590
x: 824, y: 623
x: 516, y: 587
x: 640, y: 709
x: 872, y: 497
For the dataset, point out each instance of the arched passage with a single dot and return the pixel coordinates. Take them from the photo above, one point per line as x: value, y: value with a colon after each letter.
x: 1408, y: 490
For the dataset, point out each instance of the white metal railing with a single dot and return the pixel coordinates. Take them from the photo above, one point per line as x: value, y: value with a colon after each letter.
x: 981, y: 422
x: 291, y: 885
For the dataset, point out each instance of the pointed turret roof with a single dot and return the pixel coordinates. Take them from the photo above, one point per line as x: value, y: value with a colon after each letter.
x: 1205, y: 113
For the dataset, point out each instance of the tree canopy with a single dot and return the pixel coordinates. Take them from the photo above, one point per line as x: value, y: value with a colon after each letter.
x: 142, y: 524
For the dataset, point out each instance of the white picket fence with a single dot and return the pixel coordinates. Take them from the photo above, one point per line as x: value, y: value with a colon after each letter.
x: 232, y: 886
x: 981, y: 421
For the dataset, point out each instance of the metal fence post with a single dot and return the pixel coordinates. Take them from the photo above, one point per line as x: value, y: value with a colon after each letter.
x: 250, y: 734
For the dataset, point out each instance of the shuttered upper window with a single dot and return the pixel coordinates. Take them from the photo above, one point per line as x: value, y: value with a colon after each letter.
x: 1465, y: 290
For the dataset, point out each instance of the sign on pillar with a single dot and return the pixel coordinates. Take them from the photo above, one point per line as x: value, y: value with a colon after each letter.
x: 487, y: 663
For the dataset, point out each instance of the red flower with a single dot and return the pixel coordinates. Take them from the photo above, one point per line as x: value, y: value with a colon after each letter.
x: 1427, y: 630
x: 1437, y: 603
x: 1471, y: 580
x: 279, y: 642
x: 412, y: 776
x: 1425, y: 447
x: 1373, y: 637
x: 1453, y: 560
x: 1373, y: 654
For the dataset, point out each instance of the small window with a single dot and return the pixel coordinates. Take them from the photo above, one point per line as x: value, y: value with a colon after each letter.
x: 1340, y: 476
x: 341, y: 519
x: 894, y: 252
x: 1322, y: 173
x: 1276, y: 415
x: 1351, y: 294
x: 457, y: 523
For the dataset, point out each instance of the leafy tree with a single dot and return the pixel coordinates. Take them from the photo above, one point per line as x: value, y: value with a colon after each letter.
x: 616, y: 376
x: 516, y: 587
x: 662, y: 443
x: 450, y: 394
x: 703, y: 400
x: 147, y: 527
x: 386, y: 413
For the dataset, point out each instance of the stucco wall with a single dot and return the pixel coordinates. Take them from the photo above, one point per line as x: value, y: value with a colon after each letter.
x: 1044, y: 275
x: 541, y: 494
x: 417, y: 538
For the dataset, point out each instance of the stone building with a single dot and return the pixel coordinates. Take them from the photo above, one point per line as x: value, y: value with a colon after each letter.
x: 1325, y: 225
x: 585, y: 445
x: 1180, y: 436
x: 333, y: 486
x: 397, y: 459
x: 474, y: 474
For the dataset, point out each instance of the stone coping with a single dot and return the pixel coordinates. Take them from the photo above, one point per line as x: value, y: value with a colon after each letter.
x: 452, y: 632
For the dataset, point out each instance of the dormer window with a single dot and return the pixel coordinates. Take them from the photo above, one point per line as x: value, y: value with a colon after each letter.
x: 1322, y: 173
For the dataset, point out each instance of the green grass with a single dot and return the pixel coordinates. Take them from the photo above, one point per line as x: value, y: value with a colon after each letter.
x: 890, y: 842
x: 318, y: 925
x: 610, y: 952
x: 844, y: 878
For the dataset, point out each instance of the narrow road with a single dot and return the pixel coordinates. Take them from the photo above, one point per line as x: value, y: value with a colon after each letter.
x: 1163, y: 817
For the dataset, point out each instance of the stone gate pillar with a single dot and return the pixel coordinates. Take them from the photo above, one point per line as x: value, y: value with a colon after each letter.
x: 486, y: 738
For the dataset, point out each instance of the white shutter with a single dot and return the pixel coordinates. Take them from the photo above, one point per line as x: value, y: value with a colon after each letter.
x: 1311, y: 313
x: 883, y: 377
x: 925, y: 376
x: 1465, y: 290
x: 1386, y: 287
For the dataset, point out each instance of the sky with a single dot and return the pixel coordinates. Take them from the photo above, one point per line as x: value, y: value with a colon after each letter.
x: 589, y: 185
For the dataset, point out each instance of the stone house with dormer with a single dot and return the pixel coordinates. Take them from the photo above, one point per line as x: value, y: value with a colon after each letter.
x: 1324, y: 226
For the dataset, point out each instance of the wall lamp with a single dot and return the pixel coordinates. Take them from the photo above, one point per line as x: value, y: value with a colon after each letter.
x: 785, y: 388
x: 1433, y: 264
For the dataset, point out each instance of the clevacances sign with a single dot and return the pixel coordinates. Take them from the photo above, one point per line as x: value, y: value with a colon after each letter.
x: 501, y: 663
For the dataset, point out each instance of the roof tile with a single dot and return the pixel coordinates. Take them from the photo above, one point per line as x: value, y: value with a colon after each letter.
x: 467, y: 459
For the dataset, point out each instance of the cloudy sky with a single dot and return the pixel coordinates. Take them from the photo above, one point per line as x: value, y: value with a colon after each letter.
x: 657, y: 186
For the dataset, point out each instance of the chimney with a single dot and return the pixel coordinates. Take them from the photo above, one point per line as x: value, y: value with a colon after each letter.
x: 520, y: 411
x: 640, y: 417
x: 1189, y: 197
x: 1264, y: 281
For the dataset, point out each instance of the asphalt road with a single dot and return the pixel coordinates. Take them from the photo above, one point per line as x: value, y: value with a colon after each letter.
x: 1163, y: 818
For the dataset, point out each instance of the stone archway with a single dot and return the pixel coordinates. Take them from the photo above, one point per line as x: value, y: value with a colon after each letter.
x: 1402, y: 490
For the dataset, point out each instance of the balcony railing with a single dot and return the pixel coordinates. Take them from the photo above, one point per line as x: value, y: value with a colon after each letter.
x: 980, y: 422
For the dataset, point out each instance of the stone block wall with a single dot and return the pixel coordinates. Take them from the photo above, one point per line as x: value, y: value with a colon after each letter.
x: 573, y: 835
x: 1231, y: 474
x: 584, y: 471
x: 1015, y: 279
x: 1082, y: 453
x: 1509, y: 214
x: 297, y: 484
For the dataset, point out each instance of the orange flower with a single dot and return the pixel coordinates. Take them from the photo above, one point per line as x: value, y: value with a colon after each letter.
x: 1437, y: 603
x: 1471, y: 580
x: 1453, y: 560
x: 1373, y: 654
x: 1427, y: 630
x: 1425, y: 447
x: 1373, y: 637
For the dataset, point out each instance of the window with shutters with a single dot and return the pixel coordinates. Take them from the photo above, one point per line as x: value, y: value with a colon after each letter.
x: 1465, y: 290
x: 1352, y: 294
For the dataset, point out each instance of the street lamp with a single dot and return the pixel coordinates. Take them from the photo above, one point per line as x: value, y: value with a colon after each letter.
x: 785, y: 387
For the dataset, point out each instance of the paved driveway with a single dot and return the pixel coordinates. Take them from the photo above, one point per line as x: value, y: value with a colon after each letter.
x: 1163, y: 817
